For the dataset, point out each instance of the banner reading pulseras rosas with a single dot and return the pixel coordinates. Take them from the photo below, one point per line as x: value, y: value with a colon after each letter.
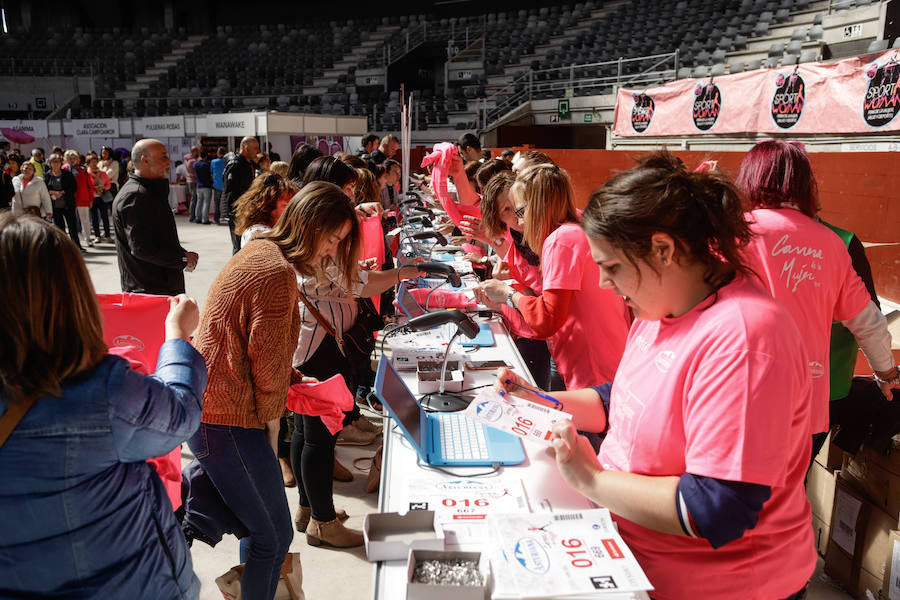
x: 856, y: 95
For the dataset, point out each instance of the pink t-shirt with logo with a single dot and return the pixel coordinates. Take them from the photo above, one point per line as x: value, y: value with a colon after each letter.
x: 807, y: 268
x: 721, y: 391
x: 588, y: 346
x: 528, y: 275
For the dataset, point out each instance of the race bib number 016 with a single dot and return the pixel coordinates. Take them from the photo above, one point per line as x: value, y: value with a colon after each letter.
x: 513, y: 415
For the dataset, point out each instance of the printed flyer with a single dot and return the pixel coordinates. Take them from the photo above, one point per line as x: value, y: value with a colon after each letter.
x: 562, y: 554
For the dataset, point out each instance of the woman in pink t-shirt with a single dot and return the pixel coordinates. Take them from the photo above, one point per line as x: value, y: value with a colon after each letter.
x: 585, y: 326
x: 808, y: 269
x: 708, y: 421
x: 500, y: 228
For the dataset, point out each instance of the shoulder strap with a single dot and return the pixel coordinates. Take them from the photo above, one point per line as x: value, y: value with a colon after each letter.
x: 11, y: 418
x: 318, y: 316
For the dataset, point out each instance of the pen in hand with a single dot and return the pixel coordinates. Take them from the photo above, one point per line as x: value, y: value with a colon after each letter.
x: 537, y: 393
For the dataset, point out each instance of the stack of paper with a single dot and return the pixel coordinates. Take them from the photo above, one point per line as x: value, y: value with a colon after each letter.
x: 573, y: 554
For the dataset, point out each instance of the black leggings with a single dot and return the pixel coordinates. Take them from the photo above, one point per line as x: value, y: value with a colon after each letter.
x: 312, y: 446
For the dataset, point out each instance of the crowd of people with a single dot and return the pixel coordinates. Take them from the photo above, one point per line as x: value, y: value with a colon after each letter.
x: 673, y: 318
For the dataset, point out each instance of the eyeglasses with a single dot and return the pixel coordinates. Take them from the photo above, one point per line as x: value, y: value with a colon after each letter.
x: 520, y: 212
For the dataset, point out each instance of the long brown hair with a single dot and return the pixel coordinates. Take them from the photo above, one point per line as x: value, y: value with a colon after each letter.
x: 490, y: 209
x: 547, y: 192
x: 703, y: 212
x: 256, y: 204
x: 316, y: 211
x: 366, y: 187
x: 50, y: 323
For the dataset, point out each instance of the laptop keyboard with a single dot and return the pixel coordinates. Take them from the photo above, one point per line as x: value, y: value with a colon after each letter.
x: 461, y: 437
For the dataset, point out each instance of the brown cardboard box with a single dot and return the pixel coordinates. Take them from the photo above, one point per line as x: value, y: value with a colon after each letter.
x: 891, y: 584
x: 871, y: 583
x: 820, y: 484
x: 821, y: 532
x: 830, y: 456
x: 877, y: 476
x: 845, y: 542
x: 859, y: 542
x: 877, y: 542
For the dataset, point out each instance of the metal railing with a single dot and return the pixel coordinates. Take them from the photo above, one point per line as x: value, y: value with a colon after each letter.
x: 574, y: 77
x: 458, y: 35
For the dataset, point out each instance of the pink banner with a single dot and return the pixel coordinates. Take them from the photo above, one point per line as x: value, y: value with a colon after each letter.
x: 856, y: 95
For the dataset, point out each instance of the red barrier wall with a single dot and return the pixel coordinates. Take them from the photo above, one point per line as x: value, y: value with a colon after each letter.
x: 858, y: 191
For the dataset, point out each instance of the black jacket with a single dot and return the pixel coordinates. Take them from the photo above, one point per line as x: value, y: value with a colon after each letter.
x: 64, y: 183
x: 236, y: 179
x: 6, y: 190
x: 151, y: 259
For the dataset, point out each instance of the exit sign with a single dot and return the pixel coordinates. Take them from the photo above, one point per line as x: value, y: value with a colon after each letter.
x: 588, y: 117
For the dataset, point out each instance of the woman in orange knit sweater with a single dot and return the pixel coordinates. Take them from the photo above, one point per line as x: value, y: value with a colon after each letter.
x: 248, y: 334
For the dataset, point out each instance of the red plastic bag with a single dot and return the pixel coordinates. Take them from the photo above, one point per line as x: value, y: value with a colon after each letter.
x: 134, y: 328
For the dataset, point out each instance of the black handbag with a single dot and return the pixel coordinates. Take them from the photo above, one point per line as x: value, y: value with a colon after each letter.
x: 358, y: 342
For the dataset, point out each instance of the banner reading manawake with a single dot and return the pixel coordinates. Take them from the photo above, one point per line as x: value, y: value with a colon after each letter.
x: 856, y: 95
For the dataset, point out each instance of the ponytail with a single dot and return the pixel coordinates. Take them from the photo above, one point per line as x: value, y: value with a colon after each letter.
x: 703, y: 213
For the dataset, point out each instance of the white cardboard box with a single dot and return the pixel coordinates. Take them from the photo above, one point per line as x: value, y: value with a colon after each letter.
x: 391, y: 536
x: 430, y: 381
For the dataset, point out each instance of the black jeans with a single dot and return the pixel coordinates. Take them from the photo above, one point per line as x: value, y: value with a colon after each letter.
x: 100, y: 208
x: 65, y: 219
x: 235, y: 239
x: 312, y: 447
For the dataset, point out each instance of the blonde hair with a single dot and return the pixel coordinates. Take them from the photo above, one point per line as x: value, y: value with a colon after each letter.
x: 53, y: 330
x: 280, y: 167
x: 316, y: 211
x: 547, y: 193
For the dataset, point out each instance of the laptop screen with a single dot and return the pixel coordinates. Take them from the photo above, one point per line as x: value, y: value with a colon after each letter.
x: 408, y: 303
x: 394, y: 393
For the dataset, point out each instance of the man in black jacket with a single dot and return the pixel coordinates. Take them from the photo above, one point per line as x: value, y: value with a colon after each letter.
x: 239, y: 171
x: 151, y: 259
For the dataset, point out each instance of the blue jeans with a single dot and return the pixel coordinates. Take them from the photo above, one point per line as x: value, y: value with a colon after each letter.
x: 201, y: 207
x: 242, y: 466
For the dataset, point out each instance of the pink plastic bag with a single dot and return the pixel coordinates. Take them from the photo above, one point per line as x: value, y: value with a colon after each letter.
x: 134, y: 328
x: 327, y: 399
x: 442, y: 298
x: 136, y: 320
x: 442, y: 157
x: 373, y: 246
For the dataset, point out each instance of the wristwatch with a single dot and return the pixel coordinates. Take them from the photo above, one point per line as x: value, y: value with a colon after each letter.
x: 509, y: 299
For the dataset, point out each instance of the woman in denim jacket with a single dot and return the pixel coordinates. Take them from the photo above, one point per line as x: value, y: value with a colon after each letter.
x: 82, y: 515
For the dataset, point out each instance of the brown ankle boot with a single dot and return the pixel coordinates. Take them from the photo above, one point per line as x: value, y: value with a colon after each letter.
x: 341, y: 473
x: 332, y: 533
x: 287, y: 474
x: 301, y: 517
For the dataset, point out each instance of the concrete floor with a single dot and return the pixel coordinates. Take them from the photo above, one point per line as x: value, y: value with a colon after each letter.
x: 328, y: 573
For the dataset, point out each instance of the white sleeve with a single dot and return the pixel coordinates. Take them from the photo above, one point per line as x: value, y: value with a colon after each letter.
x: 869, y: 328
x: 46, y: 205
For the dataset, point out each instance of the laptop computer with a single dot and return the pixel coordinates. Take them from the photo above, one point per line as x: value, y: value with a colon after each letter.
x: 408, y: 304
x: 443, y: 439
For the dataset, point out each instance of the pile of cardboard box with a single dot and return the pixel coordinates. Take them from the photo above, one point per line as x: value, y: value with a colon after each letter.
x: 856, y: 504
